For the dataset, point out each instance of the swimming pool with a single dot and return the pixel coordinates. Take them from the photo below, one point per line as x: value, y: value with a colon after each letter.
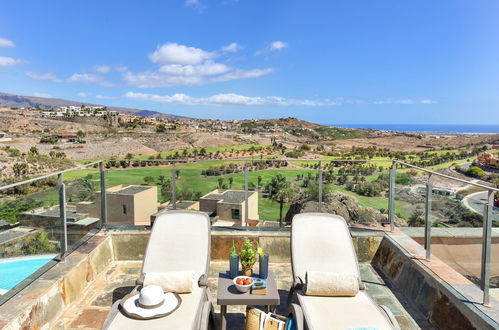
x: 14, y: 270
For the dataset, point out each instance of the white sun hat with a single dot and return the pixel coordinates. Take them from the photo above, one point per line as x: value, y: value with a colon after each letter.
x: 150, y: 303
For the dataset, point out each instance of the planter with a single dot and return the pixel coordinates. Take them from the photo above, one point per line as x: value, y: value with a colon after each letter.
x: 263, y: 265
x: 234, y: 265
x: 248, y: 270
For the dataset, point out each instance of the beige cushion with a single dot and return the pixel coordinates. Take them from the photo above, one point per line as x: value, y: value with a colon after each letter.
x: 342, y: 312
x: 331, y: 284
x: 179, y: 282
x: 179, y: 241
x: 183, y: 318
x: 322, y: 243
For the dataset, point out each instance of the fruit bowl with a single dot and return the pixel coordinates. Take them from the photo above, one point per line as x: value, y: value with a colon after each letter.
x: 243, y: 283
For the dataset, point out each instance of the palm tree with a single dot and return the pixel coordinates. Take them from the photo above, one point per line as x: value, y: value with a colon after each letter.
x: 282, y: 192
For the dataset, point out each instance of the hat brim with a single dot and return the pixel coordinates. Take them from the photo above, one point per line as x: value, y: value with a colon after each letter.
x: 130, y: 307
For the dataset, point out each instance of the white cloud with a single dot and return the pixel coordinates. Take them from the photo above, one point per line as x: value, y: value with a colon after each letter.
x: 42, y: 95
x: 102, y: 68
x: 226, y: 99
x: 192, y: 2
x: 74, y: 78
x: 104, y: 97
x: 46, y: 76
x: 273, y: 46
x: 120, y: 68
x: 83, y: 77
x: 242, y: 100
x: 185, y: 65
x: 232, y: 48
x: 278, y: 45
x: 6, y: 43
x: 405, y: 101
x: 206, y: 69
x: 82, y: 94
x: 9, y: 61
x: 173, y: 53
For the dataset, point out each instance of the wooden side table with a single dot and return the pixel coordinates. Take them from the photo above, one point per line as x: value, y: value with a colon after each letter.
x: 227, y: 294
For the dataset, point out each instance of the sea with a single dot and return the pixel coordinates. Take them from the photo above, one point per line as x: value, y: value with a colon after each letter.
x: 428, y: 128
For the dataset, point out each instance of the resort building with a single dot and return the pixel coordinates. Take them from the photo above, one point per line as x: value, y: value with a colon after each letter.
x: 130, y: 205
x: 229, y: 205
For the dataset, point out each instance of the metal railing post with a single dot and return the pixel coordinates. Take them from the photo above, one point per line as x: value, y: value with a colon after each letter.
x: 174, y: 187
x: 486, y: 247
x: 391, y: 196
x: 103, y: 195
x: 246, y: 192
x: 320, y: 189
x: 428, y: 223
x: 62, y: 215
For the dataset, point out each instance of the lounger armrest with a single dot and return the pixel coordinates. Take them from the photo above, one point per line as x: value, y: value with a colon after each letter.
x: 388, y: 313
x: 298, y: 283
x: 295, y: 311
x: 140, y: 280
x: 203, y: 281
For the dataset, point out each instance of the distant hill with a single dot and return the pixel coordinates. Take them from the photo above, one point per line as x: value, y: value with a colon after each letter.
x: 21, y: 101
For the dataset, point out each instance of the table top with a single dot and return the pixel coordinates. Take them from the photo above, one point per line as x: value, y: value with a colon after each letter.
x: 227, y: 293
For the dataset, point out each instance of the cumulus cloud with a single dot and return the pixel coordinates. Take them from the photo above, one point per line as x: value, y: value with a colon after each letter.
x: 179, y: 54
x: 9, y: 61
x: 42, y: 95
x: 185, y: 65
x: 82, y: 94
x: 276, y: 45
x: 102, y: 68
x: 224, y: 99
x: 6, y: 43
x: 83, y: 77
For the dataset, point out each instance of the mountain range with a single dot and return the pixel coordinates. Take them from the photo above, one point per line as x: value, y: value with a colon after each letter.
x: 22, y: 101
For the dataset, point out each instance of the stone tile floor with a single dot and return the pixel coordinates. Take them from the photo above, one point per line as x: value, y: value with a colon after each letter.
x: 118, y: 280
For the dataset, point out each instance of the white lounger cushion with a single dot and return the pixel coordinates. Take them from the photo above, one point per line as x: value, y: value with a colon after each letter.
x: 322, y: 243
x: 183, y: 318
x: 341, y: 313
x: 178, y: 242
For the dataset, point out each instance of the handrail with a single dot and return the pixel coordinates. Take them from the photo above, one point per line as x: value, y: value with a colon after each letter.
x: 49, y: 175
x: 448, y: 176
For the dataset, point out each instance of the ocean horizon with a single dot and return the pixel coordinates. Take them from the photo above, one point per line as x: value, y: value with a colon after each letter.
x: 483, y: 129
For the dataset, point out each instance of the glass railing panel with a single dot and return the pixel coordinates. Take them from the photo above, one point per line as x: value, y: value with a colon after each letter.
x: 31, y: 233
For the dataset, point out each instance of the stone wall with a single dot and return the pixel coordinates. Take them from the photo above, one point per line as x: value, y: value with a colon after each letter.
x: 17, y: 245
x: 433, y: 288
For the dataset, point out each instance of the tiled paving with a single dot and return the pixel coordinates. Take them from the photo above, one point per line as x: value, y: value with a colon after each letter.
x: 119, y: 279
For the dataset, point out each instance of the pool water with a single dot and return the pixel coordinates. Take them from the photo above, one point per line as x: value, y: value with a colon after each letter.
x: 15, y: 271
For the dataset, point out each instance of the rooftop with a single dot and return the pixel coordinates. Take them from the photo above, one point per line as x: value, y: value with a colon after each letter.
x: 230, y: 196
x: 131, y: 190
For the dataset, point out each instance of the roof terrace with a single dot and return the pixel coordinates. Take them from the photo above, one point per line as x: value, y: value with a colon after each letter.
x: 414, y: 271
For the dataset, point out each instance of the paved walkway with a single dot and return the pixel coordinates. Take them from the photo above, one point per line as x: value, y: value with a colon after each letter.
x: 90, y: 312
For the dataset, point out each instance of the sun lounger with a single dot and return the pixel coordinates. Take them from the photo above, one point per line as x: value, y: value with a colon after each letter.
x: 321, y: 243
x: 179, y: 241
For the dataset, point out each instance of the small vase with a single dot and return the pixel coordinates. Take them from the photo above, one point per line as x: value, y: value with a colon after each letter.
x: 248, y: 270
x: 263, y: 263
x: 234, y: 265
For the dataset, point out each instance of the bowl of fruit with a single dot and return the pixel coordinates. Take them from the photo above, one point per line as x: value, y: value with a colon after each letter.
x: 243, y: 283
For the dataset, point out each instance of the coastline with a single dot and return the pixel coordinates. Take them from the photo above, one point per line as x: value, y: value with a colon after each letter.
x: 426, y: 129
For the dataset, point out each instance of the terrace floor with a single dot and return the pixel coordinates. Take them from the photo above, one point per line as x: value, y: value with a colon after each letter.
x: 111, y: 285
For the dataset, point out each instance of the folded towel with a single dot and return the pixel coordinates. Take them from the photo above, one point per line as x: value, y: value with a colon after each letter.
x: 178, y: 282
x: 331, y: 284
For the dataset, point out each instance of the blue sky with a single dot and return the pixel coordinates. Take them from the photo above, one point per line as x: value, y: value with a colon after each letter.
x: 351, y: 61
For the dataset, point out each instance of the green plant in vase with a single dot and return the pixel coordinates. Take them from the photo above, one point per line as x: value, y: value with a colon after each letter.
x: 248, y: 258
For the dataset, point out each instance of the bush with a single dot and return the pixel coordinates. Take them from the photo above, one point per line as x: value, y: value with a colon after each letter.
x: 476, y: 172
x: 295, y: 154
x: 41, y: 244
